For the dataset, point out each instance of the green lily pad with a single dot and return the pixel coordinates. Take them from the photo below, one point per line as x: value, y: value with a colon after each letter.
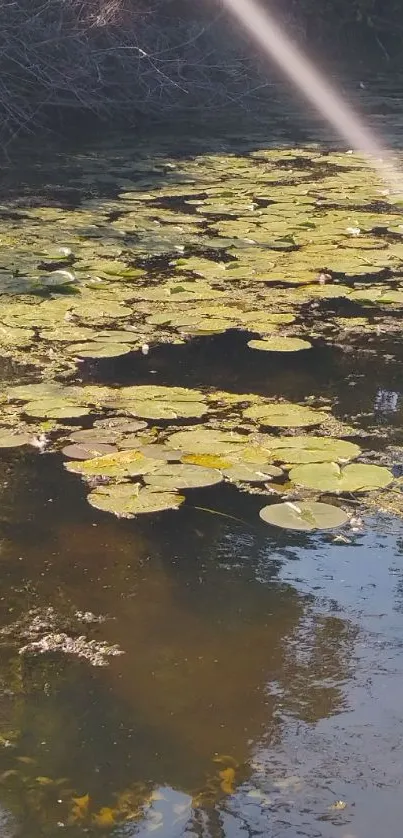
x: 88, y: 450
x: 12, y: 336
x: 206, y: 460
x: 305, y: 516
x: 206, y: 441
x: 99, y: 350
x: 122, y: 464
x: 204, y: 326
x: 162, y: 409
x: 312, y: 449
x: 55, y: 409
x: 158, y: 451
x: 126, y: 501
x: 101, y: 310
x: 249, y: 473
x: 117, y: 336
x: 131, y: 441
x: 154, y: 392
x: 284, y: 415
x: 69, y: 334
x: 8, y: 439
x: 183, y: 476
x: 32, y: 392
x: 329, y: 477
x: 91, y: 437
x: 279, y: 344
x: 120, y: 425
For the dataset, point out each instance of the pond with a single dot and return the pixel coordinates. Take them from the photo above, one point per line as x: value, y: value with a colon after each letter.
x: 201, y: 609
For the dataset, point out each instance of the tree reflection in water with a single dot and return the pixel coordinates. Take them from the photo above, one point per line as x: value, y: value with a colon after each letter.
x: 219, y: 656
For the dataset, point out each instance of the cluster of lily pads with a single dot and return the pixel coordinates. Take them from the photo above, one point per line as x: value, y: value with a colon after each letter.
x: 216, y: 243
x: 245, y: 242
x: 141, y: 456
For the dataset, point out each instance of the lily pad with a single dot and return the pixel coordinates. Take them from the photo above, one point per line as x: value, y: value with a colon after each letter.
x: 126, y: 500
x: 284, y: 415
x: 279, y: 344
x: 305, y: 516
x: 85, y: 452
x: 120, y: 424
x: 8, y: 439
x: 101, y: 310
x: 55, y: 409
x: 31, y: 392
x: 12, y: 336
x: 69, y: 334
x: 162, y: 409
x: 99, y: 350
x: 206, y: 460
x: 91, y: 437
x: 312, y: 449
x: 329, y: 477
x: 206, y: 441
x: 183, y: 476
x: 122, y: 464
x: 248, y: 473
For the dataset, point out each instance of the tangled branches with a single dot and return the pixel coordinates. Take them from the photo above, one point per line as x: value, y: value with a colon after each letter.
x: 108, y: 57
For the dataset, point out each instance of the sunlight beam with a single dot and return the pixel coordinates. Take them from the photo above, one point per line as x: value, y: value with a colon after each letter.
x: 269, y: 35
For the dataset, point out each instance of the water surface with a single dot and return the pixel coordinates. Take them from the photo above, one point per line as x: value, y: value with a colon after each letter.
x: 260, y: 689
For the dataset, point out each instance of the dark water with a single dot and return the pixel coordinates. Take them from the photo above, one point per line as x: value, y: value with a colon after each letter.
x: 279, y: 654
x: 260, y: 690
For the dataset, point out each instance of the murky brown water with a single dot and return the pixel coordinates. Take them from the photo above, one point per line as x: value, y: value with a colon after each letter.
x: 260, y: 689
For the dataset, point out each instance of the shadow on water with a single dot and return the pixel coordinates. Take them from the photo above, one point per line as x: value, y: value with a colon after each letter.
x: 225, y: 650
x: 259, y: 692
x: 207, y: 626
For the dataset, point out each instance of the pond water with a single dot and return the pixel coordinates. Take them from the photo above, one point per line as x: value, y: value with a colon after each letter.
x: 171, y: 662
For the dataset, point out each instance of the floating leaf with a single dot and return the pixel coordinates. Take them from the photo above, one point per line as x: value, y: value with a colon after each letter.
x: 69, y: 334
x: 329, y: 477
x: 95, y: 436
x: 159, y: 452
x: 116, y: 336
x: 122, y: 464
x: 312, y: 449
x: 28, y: 392
x: 285, y: 415
x: 55, y: 409
x: 10, y: 336
x: 85, y: 452
x: 206, y: 460
x: 8, y: 439
x: 126, y: 501
x: 279, y: 344
x: 99, y: 350
x: 182, y: 476
x: 162, y: 409
x: 304, y: 515
x: 151, y: 392
x: 101, y: 310
x: 120, y: 424
x: 248, y: 473
x: 206, y: 441
x: 205, y: 326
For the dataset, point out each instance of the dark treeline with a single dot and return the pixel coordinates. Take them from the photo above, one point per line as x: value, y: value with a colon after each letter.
x: 131, y: 57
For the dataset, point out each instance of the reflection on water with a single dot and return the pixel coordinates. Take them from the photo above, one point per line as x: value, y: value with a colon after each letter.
x: 260, y: 689
x: 245, y: 695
